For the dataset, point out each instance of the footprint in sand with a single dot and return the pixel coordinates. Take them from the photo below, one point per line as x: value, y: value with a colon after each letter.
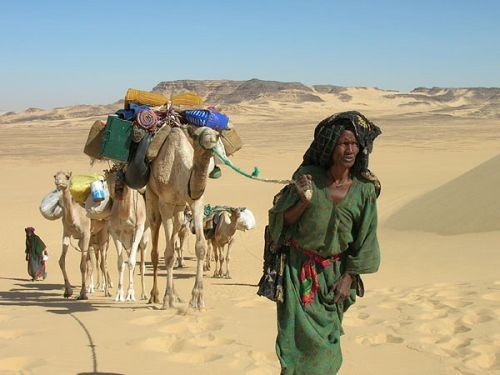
x: 195, y: 357
x: 199, y: 342
x: 440, y: 314
x: 487, y: 358
x: 15, y: 364
x: 456, y: 343
x: 361, y: 319
x: 12, y: 334
x: 253, y: 361
x: 259, y: 301
x: 381, y: 338
x: 494, y: 296
x: 445, y: 327
x: 471, y: 318
x: 159, y: 344
x: 147, y: 320
x: 390, y: 305
x: 457, y: 304
x: 191, y: 324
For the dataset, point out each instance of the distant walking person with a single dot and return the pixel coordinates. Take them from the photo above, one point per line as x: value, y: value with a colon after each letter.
x: 36, y: 255
x: 326, y: 224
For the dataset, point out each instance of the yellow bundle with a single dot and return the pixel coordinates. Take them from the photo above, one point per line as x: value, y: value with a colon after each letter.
x: 79, y: 186
x: 144, y: 97
x: 153, y: 99
x: 190, y: 99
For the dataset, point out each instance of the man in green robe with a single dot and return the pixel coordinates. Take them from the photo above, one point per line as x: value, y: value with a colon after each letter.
x: 35, y: 252
x: 329, y: 236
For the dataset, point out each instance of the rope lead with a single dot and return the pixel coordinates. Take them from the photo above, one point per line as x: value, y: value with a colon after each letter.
x: 254, y: 175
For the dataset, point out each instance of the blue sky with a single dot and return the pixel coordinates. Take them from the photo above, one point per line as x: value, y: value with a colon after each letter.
x: 59, y: 53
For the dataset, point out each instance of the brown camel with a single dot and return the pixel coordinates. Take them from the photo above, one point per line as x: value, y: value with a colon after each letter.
x: 179, y: 176
x: 78, y: 225
x: 130, y: 231
x: 223, y: 239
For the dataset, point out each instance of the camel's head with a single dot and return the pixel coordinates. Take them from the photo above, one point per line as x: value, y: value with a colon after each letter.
x: 235, y: 213
x: 110, y: 177
x: 205, y: 137
x: 188, y: 215
x: 62, y: 179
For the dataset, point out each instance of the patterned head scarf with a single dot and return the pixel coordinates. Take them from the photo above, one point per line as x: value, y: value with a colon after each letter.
x: 327, y: 133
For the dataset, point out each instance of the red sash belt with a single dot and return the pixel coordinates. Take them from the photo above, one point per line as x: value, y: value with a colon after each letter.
x: 308, y: 275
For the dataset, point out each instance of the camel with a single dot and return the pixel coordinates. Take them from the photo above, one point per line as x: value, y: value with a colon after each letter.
x: 179, y: 176
x: 103, y: 282
x: 223, y: 239
x: 129, y: 230
x: 182, y: 236
x: 78, y: 225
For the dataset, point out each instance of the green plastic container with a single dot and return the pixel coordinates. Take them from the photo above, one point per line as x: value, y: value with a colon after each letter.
x: 116, y: 139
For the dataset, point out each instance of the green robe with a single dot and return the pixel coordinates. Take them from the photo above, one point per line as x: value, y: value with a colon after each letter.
x: 308, y: 339
x: 34, y: 251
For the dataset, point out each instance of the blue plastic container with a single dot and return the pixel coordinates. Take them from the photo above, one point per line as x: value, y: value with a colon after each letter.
x: 207, y: 117
x: 97, y: 191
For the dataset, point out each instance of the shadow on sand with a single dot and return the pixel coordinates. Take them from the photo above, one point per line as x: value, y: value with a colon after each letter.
x: 27, y: 293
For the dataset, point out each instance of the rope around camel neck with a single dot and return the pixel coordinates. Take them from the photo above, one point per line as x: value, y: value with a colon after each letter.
x: 254, y: 175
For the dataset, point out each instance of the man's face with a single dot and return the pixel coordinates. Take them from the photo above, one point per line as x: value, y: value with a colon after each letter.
x: 346, y: 150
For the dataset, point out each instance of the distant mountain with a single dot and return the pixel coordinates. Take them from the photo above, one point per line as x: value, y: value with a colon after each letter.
x: 236, y: 92
x: 477, y: 102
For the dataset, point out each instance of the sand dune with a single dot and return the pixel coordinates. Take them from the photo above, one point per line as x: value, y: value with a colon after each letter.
x: 467, y: 204
x: 432, y: 308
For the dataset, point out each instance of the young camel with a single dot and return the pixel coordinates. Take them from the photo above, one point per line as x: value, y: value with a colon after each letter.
x: 129, y: 230
x: 224, y: 238
x: 101, y: 267
x: 182, y: 236
x: 78, y: 225
x: 179, y: 176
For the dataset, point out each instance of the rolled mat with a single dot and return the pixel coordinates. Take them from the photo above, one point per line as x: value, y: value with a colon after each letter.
x: 147, y: 119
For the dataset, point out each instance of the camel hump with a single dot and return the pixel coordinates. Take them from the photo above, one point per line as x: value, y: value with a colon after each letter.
x: 226, y: 217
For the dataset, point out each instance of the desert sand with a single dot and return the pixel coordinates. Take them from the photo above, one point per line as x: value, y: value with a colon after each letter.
x: 433, y: 307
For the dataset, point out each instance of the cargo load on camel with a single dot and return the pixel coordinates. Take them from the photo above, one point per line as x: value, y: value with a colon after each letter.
x: 133, y: 136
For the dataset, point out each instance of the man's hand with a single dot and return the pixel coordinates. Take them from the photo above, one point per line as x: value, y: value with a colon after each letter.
x: 303, y: 184
x: 342, y: 287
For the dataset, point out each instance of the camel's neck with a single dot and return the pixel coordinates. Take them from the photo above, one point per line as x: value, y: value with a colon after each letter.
x: 233, y: 223
x: 69, y: 206
x: 199, y: 172
x: 126, y: 203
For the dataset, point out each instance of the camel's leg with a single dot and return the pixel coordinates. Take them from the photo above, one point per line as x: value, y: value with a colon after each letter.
x: 103, y: 240
x: 154, y: 219
x: 177, y: 251
x: 83, y: 244
x: 68, y: 289
x: 216, y: 257
x: 99, y: 280
x: 197, y: 300
x: 220, y: 253
x: 119, y: 297
x: 206, y: 266
x: 91, y: 268
x: 132, y: 259
x: 142, y: 247
x: 183, y: 233
x: 106, y: 283
x: 171, y: 224
x: 227, y: 275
